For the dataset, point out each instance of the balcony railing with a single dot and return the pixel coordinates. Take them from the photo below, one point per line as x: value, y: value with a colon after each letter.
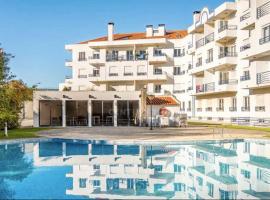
x: 155, y: 54
x: 260, y: 108
x: 111, y: 58
x: 82, y: 76
x: 208, y: 87
x: 245, y: 16
x: 264, y: 40
x: 209, y: 38
x: 232, y: 109
x: 245, y: 78
x: 95, y: 57
x: 68, y: 77
x: 199, y: 109
x: 263, y: 10
x: 157, y: 72
x: 228, y: 82
x: 200, y: 43
x: 113, y: 74
x: 179, y: 91
x: 227, y: 27
x: 142, y: 73
x: 94, y: 75
x: 245, y: 109
x: 208, y: 109
x: 245, y: 47
x: 220, y: 109
x: 128, y: 74
x: 227, y: 54
x: 263, y: 77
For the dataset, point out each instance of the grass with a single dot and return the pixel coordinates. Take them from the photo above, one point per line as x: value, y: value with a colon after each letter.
x: 20, y: 133
x: 228, y: 126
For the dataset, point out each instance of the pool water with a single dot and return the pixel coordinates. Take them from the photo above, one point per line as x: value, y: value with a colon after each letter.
x: 72, y: 169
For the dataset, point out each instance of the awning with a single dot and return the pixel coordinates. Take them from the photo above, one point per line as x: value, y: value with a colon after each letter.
x: 162, y: 100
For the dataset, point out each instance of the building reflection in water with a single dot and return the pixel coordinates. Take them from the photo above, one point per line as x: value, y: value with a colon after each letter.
x: 231, y: 170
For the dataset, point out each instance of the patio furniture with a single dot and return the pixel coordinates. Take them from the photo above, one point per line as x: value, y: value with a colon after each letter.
x: 96, y: 120
x: 109, y: 120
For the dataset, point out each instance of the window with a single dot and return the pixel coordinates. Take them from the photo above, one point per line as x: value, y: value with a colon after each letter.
x: 234, y: 102
x: 179, y: 187
x: 96, y: 183
x: 266, y: 31
x: 221, y: 104
x: 210, y: 189
x: 183, y: 106
x: 189, y: 105
x: 82, y: 182
x: 259, y: 174
x: 224, y: 169
x: 179, y: 52
x: 141, y: 70
x: 157, y: 88
x: 246, y: 102
x: 158, y: 168
x: 157, y: 71
x: 178, y: 168
x: 96, y: 167
x: 209, y: 56
x: 129, y: 55
x: 141, y: 55
x: 245, y: 173
x: 82, y: 56
x: 199, y: 62
x: 96, y: 72
x: 200, y: 181
x: 158, y: 52
x: 177, y: 70
x: 223, y: 78
x: 247, y: 147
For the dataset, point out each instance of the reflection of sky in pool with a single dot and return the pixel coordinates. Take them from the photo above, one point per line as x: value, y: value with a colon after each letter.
x: 66, y: 169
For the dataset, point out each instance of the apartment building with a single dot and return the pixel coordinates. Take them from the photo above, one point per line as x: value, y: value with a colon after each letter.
x: 217, y: 70
x: 231, y: 170
x: 230, y: 53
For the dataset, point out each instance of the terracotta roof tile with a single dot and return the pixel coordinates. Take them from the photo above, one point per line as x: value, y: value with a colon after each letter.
x: 162, y: 100
x: 177, y: 34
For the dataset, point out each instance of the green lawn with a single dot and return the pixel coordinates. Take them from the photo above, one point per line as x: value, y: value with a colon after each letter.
x: 254, y: 128
x: 21, y: 133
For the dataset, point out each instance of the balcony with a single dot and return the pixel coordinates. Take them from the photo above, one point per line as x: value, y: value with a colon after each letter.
x: 160, y: 58
x: 82, y: 76
x: 263, y: 10
x: 245, y: 109
x: 227, y: 59
x: 208, y: 109
x: 260, y: 108
x: 96, y: 60
x: 245, y: 78
x: 205, y: 88
x: 204, y: 41
x: 227, y: 86
x: 263, y: 78
x: 220, y: 109
x: 232, y: 109
x: 247, y: 21
x: 227, y: 34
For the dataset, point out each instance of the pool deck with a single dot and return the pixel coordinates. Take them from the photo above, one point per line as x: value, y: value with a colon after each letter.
x: 157, y: 134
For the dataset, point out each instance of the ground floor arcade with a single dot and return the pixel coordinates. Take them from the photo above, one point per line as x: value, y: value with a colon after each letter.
x: 54, y: 108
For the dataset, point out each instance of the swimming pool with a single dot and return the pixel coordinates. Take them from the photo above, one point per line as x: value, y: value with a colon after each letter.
x: 73, y: 169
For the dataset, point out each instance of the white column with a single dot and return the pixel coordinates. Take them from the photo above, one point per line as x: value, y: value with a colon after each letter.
x: 64, y: 113
x: 89, y: 113
x: 115, y: 113
x: 64, y: 150
x: 140, y: 112
x: 36, y: 110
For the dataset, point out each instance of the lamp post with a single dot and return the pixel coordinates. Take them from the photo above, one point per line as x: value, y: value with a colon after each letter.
x: 151, y: 97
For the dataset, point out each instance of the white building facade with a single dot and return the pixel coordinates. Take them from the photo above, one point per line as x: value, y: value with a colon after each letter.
x: 218, y: 70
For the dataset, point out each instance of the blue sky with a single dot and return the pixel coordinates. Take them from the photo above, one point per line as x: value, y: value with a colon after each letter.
x: 35, y: 31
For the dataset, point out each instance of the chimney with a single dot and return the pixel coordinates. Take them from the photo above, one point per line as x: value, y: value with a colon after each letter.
x: 161, y: 29
x: 110, y: 31
x: 149, y: 30
x: 196, y: 16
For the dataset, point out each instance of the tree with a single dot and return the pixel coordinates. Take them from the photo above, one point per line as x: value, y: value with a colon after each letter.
x: 13, y: 93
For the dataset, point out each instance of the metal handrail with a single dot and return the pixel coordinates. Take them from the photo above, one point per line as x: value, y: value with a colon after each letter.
x: 245, y: 16
x: 208, y: 87
x: 263, y: 77
x: 209, y: 38
x: 263, y: 10
x: 245, y: 47
x: 245, y: 78
x: 228, y: 82
x: 260, y: 108
x: 227, y: 27
x: 264, y: 40
x: 227, y: 54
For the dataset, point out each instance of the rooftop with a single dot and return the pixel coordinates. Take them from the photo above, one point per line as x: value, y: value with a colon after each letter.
x: 176, y: 34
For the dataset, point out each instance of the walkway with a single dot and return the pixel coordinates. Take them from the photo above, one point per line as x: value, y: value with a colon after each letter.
x: 143, y: 134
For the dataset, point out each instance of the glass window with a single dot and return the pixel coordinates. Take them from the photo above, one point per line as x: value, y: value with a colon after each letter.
x: 210, y: 189
x: 177, y: 70
x: 82, y: 182
x: 245, y: 173
x: 224, y: 169
x: 96, y: 183
x: 82, y: 56
x: 157, y: 88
